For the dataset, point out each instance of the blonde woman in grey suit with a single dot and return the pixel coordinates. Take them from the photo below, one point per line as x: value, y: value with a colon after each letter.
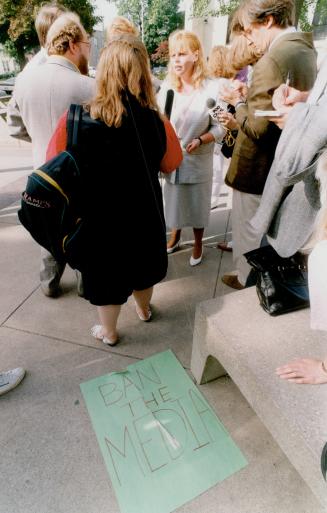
x: 187, y: 191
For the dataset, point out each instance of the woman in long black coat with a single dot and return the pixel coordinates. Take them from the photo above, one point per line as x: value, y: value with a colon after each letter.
x: 123, y: 143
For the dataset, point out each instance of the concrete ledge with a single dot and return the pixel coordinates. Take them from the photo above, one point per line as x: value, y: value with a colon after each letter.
x: 233, y: 335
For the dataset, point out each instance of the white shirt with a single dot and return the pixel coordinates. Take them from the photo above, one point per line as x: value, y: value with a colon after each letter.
x: 317, y: 266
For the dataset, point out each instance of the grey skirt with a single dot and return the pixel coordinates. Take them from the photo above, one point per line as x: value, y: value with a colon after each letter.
x: 187, y: 205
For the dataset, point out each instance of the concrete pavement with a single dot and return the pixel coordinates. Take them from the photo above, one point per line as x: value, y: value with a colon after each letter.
x: 50, y: 461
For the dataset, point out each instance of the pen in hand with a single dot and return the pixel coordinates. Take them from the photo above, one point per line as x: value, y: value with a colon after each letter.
x: 287, y: 83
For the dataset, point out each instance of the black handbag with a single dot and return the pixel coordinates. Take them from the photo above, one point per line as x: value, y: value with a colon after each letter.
x: 229, y: 140
x: 282, y: 283
x: 228, y: 144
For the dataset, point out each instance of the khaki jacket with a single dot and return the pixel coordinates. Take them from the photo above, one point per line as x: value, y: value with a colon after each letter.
x: 293, y: 54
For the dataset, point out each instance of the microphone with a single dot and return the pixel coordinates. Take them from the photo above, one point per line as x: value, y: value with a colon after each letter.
x: 216, y: 107
x: 169, y: 102
x: 210, y: 103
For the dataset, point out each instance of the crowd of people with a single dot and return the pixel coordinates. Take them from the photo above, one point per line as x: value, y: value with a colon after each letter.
x: 184, y: 127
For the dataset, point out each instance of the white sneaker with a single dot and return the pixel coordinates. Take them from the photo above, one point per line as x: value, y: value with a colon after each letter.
x: 10, y: 379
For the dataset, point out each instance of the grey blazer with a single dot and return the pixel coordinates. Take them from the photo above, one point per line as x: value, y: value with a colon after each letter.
x: 195, y: 167
x: 290, y: 199
x: 41, y: 95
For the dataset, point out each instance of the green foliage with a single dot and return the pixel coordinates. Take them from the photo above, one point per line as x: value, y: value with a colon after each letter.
x: 226, y: 7
x: 17, y: 32
x: 161, y: 55
x: 156, y: 19
x: 200, y: 8
x: 304, y: 23
x: 134, y: 10
x: 163, y: 18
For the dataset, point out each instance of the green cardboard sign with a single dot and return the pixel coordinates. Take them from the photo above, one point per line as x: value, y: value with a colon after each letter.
x: 161, y: 441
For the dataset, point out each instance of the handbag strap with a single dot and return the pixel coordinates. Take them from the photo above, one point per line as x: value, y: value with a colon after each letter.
x: 73, y: 122
x: 162, y: 221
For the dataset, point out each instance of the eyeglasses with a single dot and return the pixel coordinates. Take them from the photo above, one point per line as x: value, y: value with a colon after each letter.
x: 88, y: 43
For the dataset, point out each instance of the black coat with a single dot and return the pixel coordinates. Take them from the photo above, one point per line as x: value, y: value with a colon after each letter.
x: 123, y: 234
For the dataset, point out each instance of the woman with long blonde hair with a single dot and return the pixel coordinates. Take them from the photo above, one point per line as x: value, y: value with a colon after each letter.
x: 187, y: 191
x: 122, y: 145
x: 219, y: 67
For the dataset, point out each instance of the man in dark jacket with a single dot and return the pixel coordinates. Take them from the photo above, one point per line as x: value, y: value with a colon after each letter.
x: 288, y: 56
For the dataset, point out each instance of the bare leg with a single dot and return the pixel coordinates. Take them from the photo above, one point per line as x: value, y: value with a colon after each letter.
x: 142, y: 300
x: 198, y: 235
x: 174, y: 238
x: 108, y: 316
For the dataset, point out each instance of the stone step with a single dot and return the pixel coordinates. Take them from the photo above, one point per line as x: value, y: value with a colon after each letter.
x: 232, y: 334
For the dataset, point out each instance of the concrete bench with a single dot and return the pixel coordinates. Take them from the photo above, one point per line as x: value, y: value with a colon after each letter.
x: 233, y: 335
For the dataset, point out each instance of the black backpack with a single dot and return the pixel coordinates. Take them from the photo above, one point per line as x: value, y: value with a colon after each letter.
x: 49, y: 205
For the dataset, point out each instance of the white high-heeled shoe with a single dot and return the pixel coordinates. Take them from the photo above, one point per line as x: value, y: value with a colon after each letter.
x: 196, y: 261
x: 173, y: 248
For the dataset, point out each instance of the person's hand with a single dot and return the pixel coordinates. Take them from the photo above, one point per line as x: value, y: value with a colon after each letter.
x: 231, y: 95
x: 193, y: 145
x: 241, y: 87
x: 281, y: 120
x: 303, y: 371
x: 227, y: 120
x: 285, y: 95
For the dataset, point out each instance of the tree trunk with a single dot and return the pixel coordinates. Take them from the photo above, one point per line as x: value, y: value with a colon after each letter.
x: 20, y: 56
x: 298, y: 7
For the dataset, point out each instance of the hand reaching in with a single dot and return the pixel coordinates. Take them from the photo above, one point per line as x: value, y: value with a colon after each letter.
x: 227, y: 120
x: 285, y: 96
x: 303, y: 371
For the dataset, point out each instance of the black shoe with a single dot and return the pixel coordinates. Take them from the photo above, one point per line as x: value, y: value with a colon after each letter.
x: 80, y: 285
x: 324, y: 462
x: 51, y: 291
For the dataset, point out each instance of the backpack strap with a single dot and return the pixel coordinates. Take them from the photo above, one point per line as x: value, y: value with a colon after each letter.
x: 73, y: 121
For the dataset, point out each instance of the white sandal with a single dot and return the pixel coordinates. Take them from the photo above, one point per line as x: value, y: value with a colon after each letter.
x: 96, y: 333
